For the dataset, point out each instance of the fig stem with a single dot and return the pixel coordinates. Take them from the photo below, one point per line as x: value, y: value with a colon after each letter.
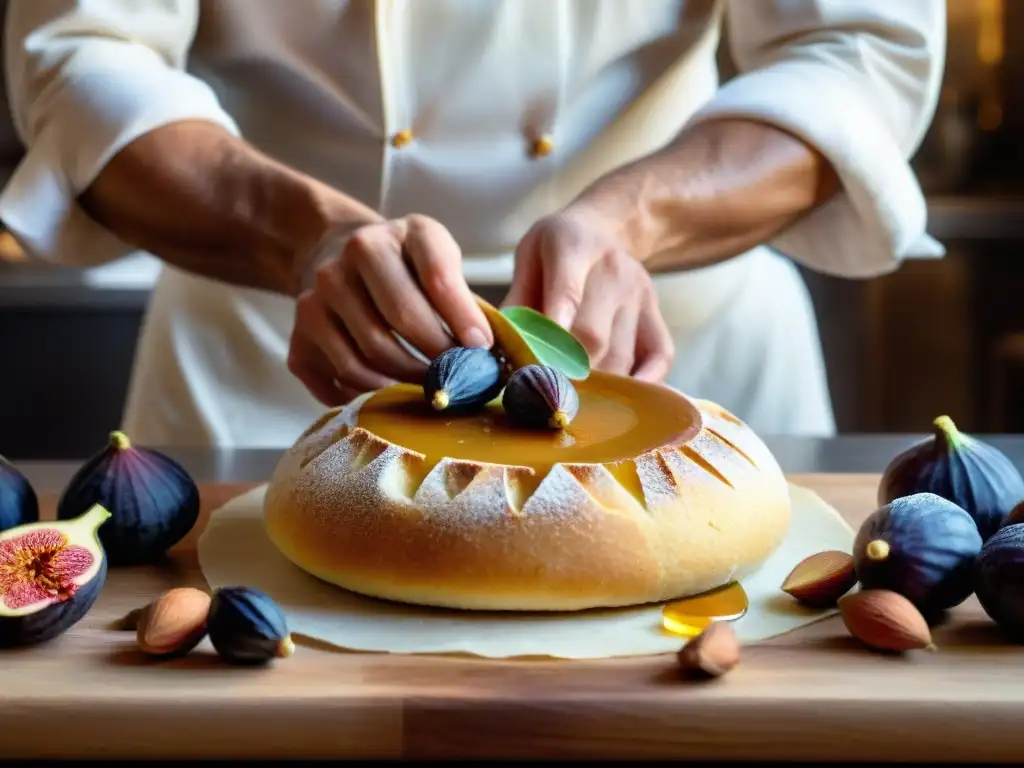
x: 286, y: 647
x: 559, y: 420
x: 947, y: 429
x: 119, y: 440
x: 877, y: 549
x: 93, y: 517
x: 439, y: 400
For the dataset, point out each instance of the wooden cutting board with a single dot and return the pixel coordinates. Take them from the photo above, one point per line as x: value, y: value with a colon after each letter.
x: 815, y: 694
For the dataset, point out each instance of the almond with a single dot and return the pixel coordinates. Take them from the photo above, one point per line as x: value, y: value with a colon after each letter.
x: 820, y: 580
x: 174, y: 623
x: 885, y: 620
x: 712, y: 653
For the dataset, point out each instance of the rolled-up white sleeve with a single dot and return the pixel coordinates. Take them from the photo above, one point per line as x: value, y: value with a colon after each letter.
x: 859, y: 81
x: 85, y: 79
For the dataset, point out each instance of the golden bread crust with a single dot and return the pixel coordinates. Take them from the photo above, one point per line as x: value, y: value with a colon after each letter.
x: 372, y: 517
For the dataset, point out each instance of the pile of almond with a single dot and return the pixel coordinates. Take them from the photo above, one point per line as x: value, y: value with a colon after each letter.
x: 879, y: 618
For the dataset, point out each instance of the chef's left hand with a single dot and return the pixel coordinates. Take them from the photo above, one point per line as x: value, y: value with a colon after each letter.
x: 573, y: 269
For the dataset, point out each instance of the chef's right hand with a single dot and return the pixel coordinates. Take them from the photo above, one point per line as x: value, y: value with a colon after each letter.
x: 402, y: 276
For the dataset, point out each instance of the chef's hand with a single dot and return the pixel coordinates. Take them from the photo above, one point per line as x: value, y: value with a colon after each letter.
x: 402, y: 276
x: 573, y: 269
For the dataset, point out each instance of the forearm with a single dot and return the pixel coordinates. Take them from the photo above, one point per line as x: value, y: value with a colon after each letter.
x: 721, y: 188
x: 207, y: 202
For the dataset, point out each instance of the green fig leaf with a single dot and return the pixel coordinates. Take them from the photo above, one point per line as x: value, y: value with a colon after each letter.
x: 549, y: 342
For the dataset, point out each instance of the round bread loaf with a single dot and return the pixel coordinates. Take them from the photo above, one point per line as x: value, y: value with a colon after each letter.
x: 382, y: 520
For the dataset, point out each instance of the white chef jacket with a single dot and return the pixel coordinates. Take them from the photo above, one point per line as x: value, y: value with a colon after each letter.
x: 324, y: 85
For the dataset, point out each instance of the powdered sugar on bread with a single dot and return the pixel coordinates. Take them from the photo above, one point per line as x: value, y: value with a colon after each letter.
x: 675, y: 520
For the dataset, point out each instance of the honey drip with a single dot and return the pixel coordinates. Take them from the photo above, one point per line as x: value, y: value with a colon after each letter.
x: 691, y: 616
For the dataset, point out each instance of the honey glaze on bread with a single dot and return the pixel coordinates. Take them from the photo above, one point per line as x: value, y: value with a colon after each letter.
x: 647, y: 496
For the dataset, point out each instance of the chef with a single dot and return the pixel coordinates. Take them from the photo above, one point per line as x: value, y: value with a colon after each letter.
x: 326, y: 181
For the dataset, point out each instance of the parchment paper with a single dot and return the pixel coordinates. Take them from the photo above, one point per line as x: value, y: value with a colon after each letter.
x: 235, y: 550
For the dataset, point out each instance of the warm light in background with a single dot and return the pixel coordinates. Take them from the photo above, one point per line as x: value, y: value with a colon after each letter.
x: 9, y: 248
x: 990, y: 49
x: 990, y: 31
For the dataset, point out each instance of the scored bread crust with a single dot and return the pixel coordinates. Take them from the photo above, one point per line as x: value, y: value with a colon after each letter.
x: 373, y: 517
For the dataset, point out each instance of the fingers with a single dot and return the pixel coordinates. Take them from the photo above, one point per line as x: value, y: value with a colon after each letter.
x: 564, y: 259
x: 374, y: 320
x: 314, y: 325
x: 597, y: 290
x: 347, y: 394
x: 527, y: 286
x: 341, y: 288
x: 655, y: 349
x: 592, y: 325
x: 437, y: 260
x: 309, y: 365
x: 564, y: 285
x: 376, y: 254
x: 608, y: 317
x: 622, y: 342
x: 307, y: 362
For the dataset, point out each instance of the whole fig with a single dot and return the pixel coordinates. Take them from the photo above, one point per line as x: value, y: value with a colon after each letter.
x: 972, y: 474
x: 999, y: 580
x: 462, y: 378
x: 540, y: 396
x: 19, y: 504
x: 921, y: 546
x: 247, y: 627
x: 152, y: 499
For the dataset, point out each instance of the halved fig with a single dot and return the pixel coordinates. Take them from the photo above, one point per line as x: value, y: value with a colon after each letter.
x: 50, y: 576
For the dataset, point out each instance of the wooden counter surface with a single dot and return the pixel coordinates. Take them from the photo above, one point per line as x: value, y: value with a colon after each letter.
x: 815, y: 694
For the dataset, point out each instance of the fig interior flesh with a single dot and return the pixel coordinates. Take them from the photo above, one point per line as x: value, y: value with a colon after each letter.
x: 51, y: 574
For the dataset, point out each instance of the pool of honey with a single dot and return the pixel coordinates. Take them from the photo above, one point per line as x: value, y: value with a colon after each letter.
x: 619, y: 418
x: 692, y: 615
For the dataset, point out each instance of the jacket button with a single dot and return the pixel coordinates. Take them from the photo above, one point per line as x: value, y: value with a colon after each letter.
x: 401, y: 139
x: 542, y: 146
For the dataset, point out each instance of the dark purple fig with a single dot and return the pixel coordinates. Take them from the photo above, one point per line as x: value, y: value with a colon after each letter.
x: 974, y: 475
x: 247, y: 627
x: 462, y: 378
x: 18, y: 502
x: 540, y: 396
x: 999, y: 580
x: 152, y: 500
x: 921, y: 546
x: 50, y: 576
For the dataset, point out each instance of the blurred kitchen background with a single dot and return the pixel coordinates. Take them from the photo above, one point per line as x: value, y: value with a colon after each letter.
x: 939, y: 336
